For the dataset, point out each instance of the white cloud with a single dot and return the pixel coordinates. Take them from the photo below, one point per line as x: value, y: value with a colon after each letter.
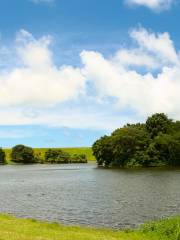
x: 157, y: 5
x: 159, y: 44
x: 143, y: 93
x: 135, y: 57
x: 78, y: 118
x: 142, y: 80
x: 38, y: 81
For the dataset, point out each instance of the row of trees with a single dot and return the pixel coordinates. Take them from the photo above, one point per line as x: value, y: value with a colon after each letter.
x: 25, y: 155
x: 154, y: 143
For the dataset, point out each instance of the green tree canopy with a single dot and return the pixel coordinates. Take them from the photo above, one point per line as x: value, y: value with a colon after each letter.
x: 155, y: 143
x: 158, y: 123
x: 22, y: 154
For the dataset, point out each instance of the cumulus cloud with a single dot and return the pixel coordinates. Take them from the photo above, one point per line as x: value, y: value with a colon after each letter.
x: 144, y: 93
x: 156, y: 5
x: 158, y: 44
x: 38, y: 81
x: 139, y: 80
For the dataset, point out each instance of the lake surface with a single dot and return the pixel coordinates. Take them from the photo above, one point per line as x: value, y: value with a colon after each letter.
x: 85, y: 195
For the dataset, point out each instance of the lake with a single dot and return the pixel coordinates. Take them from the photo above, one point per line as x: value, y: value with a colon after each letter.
x: 85, y: 195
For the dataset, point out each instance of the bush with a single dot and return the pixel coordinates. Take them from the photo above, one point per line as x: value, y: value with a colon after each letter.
x: 59, y: 156
x: 2, y: 156
x: 56, y: 156
x: 22, y: 154
x: 78, y: 158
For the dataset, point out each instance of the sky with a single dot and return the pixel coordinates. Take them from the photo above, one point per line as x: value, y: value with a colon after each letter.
x: 74, y: 70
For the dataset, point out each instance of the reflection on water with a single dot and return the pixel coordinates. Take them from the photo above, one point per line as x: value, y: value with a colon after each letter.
x: 85, y: 195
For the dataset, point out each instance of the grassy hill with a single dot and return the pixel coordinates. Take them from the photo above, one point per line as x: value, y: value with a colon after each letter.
x: 79, y: 150
x: 12, y: 228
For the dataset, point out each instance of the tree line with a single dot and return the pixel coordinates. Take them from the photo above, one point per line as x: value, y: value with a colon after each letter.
x: 153, y: 143
x: 25, y: 155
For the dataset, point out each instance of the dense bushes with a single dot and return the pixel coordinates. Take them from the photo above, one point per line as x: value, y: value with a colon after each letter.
x: 78, y: 158
x: 59, y: 156
x: 22, y: 154
x: 2, y: 157
x: 26, y: 155
x: 56, y: 156
x: 155, y: 143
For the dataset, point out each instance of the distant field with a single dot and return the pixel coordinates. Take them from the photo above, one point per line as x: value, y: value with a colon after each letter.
x: 83, y: 150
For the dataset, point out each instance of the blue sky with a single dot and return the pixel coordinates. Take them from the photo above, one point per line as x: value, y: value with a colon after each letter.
x: 71, y: 71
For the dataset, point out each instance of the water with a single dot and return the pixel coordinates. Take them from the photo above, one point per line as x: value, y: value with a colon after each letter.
x: 85, y: 195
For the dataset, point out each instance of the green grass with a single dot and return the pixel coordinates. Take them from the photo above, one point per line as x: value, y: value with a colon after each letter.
x: 83, y: 150
x: 12, y: 228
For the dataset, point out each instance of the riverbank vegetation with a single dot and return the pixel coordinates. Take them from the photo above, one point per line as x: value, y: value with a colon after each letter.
x: 40, y: 152
x: 154, y: 143
x: 27, y: 155
x: 12, y: 228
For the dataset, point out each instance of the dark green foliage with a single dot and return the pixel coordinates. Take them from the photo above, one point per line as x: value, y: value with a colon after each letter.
x: 103, y: 151
x: 128, y: 141
x: 2, y: 157
x: 168, y: 148
x: 59, y: 156
x: 156, y: 143
x: 78, y: 158
x: 56, y: 156
x: 22, y: 154
x: 158, y: 123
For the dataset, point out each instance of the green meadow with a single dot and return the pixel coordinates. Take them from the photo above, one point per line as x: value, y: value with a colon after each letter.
x: 79, y: 150
x: 12, y: 228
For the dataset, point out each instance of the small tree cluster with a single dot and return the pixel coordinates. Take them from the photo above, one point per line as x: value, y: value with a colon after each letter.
x: 155, y: 143
x: 59, y: 156
x: 22, y: 154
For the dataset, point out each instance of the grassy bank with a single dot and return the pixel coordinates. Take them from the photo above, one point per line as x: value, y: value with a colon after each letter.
x: 83, y: 150
x: 12, y: 228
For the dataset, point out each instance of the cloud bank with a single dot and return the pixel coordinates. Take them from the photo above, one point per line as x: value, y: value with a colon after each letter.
x: 145, y: 79
x: 138, y: 80
x: 156, y: 5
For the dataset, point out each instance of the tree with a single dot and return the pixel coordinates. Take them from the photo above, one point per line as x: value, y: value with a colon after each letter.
x: 126, y: 142
x: 102, y: 150
x: 168, y: 147
x: 158, y: 123
x: 22, y: 154
x: 2, y: 156
x: 156, y: 143
x: 56, y: 156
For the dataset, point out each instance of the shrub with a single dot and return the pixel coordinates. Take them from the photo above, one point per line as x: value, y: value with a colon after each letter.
x: 78, y: 158
x: 59, y: 156
x: 2, y: 156
x: 56, y: 156
x: 22, y: 154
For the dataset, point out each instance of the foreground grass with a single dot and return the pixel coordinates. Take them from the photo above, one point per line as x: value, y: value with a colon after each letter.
x: 83, y: 150
x: 12, y: 228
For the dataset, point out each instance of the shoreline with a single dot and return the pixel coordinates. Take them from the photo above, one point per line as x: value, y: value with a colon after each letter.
x: 12, y: 228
